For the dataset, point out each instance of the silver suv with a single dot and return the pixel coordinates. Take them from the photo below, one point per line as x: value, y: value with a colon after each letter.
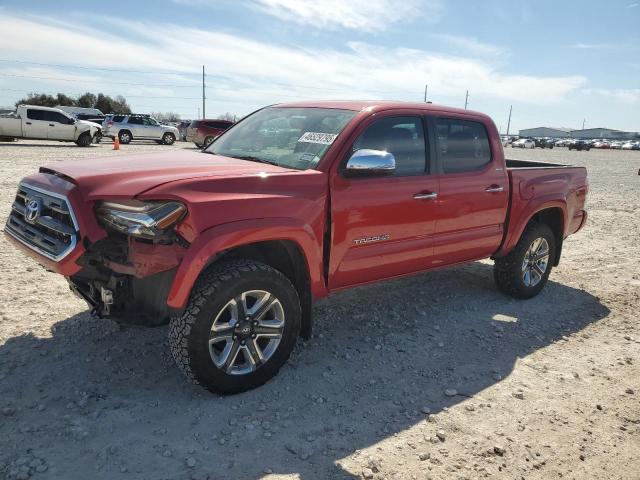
x: 137, y: 127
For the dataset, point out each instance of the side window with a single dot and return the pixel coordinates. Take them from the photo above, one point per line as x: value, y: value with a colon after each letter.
x: 463, y: 146
x: 401, y: 136
x: 35, y: 114
x: 59, y: 118
x: 135, y: 120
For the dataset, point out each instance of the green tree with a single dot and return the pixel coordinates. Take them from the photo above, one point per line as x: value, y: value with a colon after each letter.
x: 40, y: 99
x: 86, y: 100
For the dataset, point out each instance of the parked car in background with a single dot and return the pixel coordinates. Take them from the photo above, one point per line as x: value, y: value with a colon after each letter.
x: 203, y: 132
x: 182, y: 129
x: 616, y: 145
x: 138, y: 127
x: 44, y: 123
x: 544, y: 142
x: 233, y: 244
x: 524, y: 143
x: 601, y: 144
x: 579, y: 145
x: 563, y: 142
x: 631, y: 146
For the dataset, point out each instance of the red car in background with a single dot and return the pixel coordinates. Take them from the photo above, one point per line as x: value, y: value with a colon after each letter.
x: 203, y: 132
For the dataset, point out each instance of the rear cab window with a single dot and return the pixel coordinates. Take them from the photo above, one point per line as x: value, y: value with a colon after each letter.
x: 462, y: 145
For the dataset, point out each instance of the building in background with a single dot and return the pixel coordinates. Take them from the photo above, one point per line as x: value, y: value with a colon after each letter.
x: 587, y: 133
x: 545, y: 132
x: 606, y: 133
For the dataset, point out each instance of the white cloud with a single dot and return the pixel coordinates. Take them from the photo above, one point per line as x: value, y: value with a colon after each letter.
x: 368, y: 15
x: 629, y: 96
x: 591, y: 46
x: 243, y: 73
x: 472, y: 46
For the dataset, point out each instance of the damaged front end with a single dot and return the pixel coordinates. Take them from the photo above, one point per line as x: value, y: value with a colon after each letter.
x: 128, y: 273
x: 128, y: 279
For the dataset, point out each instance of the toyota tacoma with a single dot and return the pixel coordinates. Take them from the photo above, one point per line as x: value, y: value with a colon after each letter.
x: 232, y: 245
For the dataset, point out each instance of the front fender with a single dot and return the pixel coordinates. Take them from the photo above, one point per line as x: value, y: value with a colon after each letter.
x: 235, y: 234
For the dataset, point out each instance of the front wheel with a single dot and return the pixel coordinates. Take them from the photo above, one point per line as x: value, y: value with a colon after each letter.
x: 524, y: 272
x: 84, y: 140
x: 168, y: 138
x: 240, y: 326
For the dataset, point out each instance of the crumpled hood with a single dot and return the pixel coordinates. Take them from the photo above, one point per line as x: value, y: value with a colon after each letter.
x: 130, y: 175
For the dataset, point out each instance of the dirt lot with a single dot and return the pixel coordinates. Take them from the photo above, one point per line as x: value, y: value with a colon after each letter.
x: 434, y: 376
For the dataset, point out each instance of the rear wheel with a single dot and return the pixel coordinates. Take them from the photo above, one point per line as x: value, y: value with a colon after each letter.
x: 524, y: 272
x: 208, y: 141
x: 125, y: 136
x: 239, y: 328
x: 168, y: 138
x: 84, y: 140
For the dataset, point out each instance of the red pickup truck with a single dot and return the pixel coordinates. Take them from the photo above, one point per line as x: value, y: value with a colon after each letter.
x: 232, y: 245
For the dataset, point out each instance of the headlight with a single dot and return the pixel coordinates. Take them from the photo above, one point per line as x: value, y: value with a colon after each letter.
x: 140, y: 219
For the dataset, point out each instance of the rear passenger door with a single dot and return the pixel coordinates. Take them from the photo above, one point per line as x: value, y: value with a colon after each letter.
x: 134, y: 124
x: 36, y: 124
x: 383, y: 226
x: 473, y: 193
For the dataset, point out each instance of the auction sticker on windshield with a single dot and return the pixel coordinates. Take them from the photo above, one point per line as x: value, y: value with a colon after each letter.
x: 316, y: 137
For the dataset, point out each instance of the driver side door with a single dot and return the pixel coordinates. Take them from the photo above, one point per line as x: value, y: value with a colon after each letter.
x: 383, y: 226
x: 60, y: 127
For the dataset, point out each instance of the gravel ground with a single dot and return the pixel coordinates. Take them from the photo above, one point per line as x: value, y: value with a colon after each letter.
x: 434, y: 376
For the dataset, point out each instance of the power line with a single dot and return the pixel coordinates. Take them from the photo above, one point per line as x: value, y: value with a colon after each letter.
x: 101, y: 81
x: 282, y: 84
x: 84, y: 67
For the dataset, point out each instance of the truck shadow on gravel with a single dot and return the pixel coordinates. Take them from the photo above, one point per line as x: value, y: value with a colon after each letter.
x: 97, y: 400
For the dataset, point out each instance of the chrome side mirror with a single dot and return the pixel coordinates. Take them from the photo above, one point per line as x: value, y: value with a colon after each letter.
x: 366, y: 162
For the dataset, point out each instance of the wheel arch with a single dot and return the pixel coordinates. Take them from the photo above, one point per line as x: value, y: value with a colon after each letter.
x: 552, y: 213
x: 288, y: 246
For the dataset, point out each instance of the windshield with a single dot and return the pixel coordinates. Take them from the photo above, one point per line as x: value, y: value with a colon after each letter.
x: 289, y: 137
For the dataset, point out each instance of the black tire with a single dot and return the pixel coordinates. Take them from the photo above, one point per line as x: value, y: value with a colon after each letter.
x: 198, y: 146
x: 84, y: 140
x: 189, y: 334
x: 208, y: 141
x: 97, y: 138
x: 508, y: 271
x: 125, y: 137
x: 168, y: 138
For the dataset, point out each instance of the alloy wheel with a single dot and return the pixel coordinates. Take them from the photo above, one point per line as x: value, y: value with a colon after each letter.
x: 246, y: 332
x: 535, y: 263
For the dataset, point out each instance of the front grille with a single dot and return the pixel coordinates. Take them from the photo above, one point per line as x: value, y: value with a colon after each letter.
x: 52, y: 231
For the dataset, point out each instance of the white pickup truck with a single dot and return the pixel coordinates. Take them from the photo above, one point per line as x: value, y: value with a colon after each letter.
x: 43, y: 123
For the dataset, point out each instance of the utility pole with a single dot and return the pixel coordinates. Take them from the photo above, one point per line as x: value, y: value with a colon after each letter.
x: 509, y: 122
x: 466, y: 100
x: 584, y: 120
x: 204, y: 114
x: 425, y: 92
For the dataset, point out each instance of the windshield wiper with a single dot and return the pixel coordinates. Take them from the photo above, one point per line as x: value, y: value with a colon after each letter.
x: 254, y: 159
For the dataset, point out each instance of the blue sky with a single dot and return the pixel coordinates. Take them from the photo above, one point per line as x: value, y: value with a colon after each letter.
x: 557, y: 62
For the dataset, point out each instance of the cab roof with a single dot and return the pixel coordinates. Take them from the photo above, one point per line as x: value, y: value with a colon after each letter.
x: 375, y: 106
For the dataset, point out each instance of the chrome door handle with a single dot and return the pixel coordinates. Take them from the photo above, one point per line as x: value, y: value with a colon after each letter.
x: 52, y: 125
x: 425, y: 196
x: 28, y: 123
x: 494, y: 189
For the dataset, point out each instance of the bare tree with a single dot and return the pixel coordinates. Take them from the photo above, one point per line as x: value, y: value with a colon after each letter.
x: 232, y: 117
x: 166, y: 116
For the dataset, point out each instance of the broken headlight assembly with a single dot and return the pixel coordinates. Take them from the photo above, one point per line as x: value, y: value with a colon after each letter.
x: 148, y: 220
